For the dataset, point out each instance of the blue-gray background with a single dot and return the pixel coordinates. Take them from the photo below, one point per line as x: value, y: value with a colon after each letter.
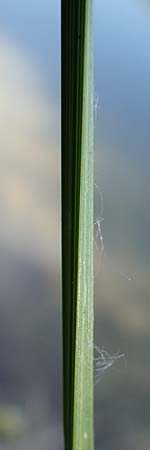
x: 30, y: 301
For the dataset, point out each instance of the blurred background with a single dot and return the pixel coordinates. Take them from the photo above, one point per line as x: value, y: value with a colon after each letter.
x: 30, y: 306
x: 122, y: 166
x: 30, y: 288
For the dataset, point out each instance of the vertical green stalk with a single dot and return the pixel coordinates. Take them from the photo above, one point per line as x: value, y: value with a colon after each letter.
x: 77, y: 221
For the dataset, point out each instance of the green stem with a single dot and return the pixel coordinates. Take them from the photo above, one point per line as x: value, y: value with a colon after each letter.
x: 77, y: 222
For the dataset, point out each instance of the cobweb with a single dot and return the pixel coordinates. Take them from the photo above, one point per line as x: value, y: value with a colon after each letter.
x: 99, y: 241
x: 97, y: 107
x: 99, y: 209
x: 103, y: 361
x: 98, y: 237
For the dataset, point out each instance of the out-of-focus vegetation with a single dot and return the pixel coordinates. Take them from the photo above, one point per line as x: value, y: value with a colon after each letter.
x: 13, y: 423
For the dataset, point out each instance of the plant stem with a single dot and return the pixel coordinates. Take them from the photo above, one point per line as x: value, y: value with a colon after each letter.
x: 77, y: 222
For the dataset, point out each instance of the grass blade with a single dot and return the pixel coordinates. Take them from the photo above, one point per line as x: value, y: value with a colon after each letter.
x: 77, y: 222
